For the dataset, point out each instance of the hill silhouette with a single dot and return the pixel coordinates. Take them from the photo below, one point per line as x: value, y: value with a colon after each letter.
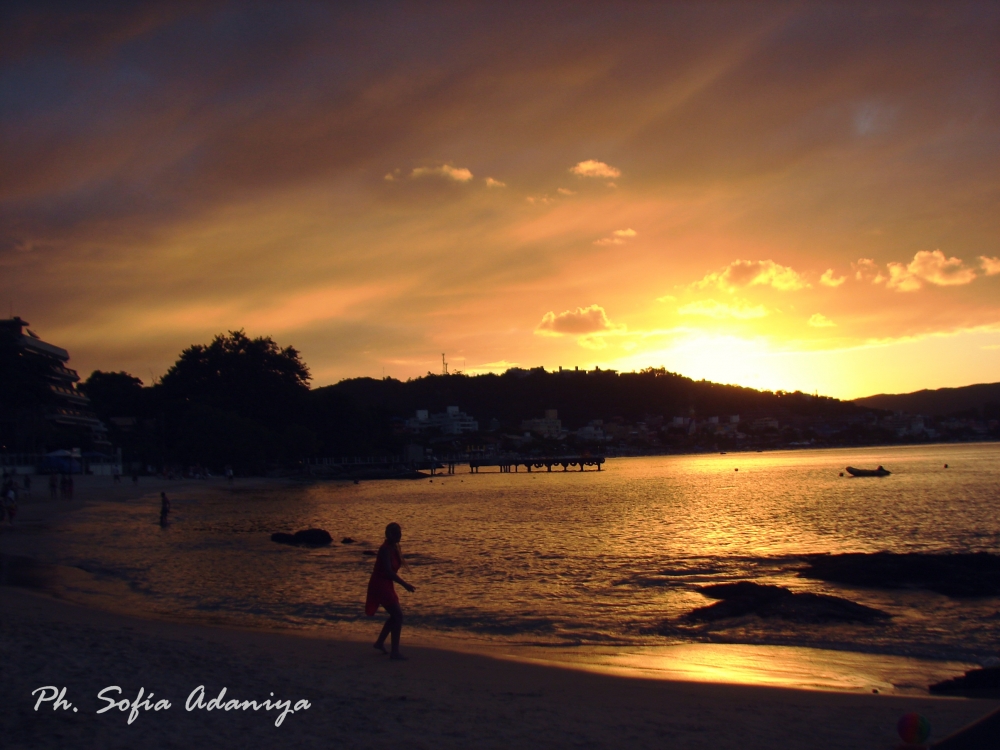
x: 247, y: 403
x: 981, y: 400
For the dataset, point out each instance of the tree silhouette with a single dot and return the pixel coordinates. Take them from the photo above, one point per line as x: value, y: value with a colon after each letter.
x: 252, y: 377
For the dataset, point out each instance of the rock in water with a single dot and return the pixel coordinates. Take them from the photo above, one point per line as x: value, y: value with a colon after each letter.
x: 305, y: 538
x: 313, y: 537
x: 957, y: 575
x: 347, y: 540
x: 748, y: 598
x: 976, y: 683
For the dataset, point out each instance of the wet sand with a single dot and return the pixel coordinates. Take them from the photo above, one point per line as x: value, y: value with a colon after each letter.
x: 439, y: 698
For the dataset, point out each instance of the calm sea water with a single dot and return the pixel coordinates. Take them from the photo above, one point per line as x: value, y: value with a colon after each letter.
x: 608, y: 559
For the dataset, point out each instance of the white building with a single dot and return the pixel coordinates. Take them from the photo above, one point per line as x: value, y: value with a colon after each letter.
x: 549, y: 426
x: 452, y: 421
x: 593, y: 432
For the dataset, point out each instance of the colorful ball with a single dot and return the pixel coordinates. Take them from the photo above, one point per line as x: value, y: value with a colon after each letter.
x: 913, y: 728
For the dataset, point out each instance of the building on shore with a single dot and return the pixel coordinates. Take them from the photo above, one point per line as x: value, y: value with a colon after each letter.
x: 43, y: 408
x: 549, y: 426
x: 452, y: 421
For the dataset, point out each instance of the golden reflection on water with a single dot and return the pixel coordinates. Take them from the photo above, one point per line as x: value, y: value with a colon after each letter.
x: 585, y: 558
x: 772, y: 666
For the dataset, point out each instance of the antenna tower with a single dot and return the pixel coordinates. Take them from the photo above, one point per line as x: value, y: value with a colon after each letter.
x: 444, y: 365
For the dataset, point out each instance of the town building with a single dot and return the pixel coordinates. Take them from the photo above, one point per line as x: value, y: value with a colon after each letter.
x: 549, y: 426
x: 452, y: 421
x: 38, y: 384
x: 593, y: 432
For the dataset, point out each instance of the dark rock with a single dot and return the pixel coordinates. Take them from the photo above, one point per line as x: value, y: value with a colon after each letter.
x: 976, y: 683
x: 313, y: 537
x: 347, y: 540
x: 370, y: 552
x: 748, y: 598
x: 306, y: 538
x: 957, y: 575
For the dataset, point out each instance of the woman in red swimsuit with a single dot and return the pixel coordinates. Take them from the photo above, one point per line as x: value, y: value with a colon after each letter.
x: 382, y: 592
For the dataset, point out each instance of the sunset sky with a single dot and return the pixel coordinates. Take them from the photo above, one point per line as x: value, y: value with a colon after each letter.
x: 783, y: 196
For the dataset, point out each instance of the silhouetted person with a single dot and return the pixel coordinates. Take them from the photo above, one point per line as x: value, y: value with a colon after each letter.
x: 53, y: 487
x: 135, y: 477
x: 10, y: 501
x: 27, y: 485
x: 164, y: 508
x: 382, y: 593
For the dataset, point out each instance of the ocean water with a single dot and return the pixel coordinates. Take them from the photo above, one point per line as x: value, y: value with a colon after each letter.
x: 608, y: 561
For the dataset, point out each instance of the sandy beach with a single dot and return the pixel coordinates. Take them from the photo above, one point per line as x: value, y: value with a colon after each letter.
x: 357, y: 698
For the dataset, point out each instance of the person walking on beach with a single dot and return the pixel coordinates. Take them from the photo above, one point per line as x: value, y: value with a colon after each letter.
x: 164, y: 508
x: 382, y: 593
x: 10, y: 501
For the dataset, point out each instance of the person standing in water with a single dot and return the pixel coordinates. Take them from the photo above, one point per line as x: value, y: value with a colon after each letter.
x: 164, y: 508
x: 381, y: 592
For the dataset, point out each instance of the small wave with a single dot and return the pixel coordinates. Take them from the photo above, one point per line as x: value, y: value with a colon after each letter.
x: 484, y: 624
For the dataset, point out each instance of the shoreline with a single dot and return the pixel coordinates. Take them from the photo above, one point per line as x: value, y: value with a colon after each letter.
x: 439, y: 698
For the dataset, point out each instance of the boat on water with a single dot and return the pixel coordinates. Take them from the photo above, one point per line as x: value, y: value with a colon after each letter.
x: 879, y: 472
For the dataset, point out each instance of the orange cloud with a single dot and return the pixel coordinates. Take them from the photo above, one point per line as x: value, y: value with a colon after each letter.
x: 490, y: 182
x: 617, y: 237
x: 991, y: 266
x: 744, y: 273
x: 581, y: 321
x: 867, y: 270
x: 592, y: 168
x: 458, y: 174
x: 932, y: 267
x: 818, y: 320
x: 828, y: 279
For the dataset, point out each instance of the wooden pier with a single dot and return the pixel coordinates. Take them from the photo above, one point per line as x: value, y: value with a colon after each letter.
x: 448, y: 464
x: 506, y: 463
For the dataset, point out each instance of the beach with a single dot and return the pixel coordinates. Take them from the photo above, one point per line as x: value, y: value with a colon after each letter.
x: 442, y: 696
x: 359, y: 699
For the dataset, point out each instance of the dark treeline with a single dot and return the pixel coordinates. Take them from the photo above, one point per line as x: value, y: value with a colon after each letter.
x: 247, y: 403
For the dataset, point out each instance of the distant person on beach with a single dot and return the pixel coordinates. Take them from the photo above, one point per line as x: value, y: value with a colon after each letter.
x: 10, y: 502
x: 135, y: 477
x: 164, y: 508
x: 53, y: 487
x: 382, y: 593
x: 27, y: 485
